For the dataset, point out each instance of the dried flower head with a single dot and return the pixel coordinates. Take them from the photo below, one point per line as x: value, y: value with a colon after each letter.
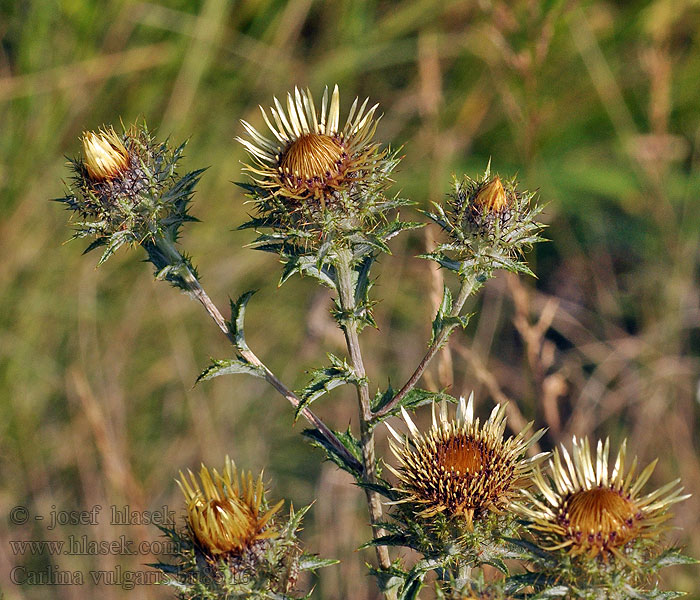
x: 225, y: 514
x: 105, y: 155
x: 310, y: 158
x: 586, y: 510
x: 462, y: 467
x: 489, y: 222
x: 125, y: 189
x: 315, y: 180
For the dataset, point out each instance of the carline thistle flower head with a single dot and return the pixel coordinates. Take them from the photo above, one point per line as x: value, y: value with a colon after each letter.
x: 225, y: 513
x: 310, y: 159
x: 584, y: 509
x: 125, y: 189
x: 314, y: 178
x: 460, y: 467
x: 104, y: 154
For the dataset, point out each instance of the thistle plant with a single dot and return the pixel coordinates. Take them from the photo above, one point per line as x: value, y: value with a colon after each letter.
x: 465, y: 496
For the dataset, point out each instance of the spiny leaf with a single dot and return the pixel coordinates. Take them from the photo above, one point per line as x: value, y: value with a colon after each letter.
x: 324, y: 380
x: 530, y: 548
x: 411, y: 401
x: 351, y: 444
x: 498, y: 564
x: 444, y: 319
x: 116, y: 241
x: 229, y: 366
x: 235, y: 325
x: 310, y: 562
x: 381, y: 488
x: 671, y: 557
x: 305, y: 265
x: 294, y: 522
x: 557, y: 591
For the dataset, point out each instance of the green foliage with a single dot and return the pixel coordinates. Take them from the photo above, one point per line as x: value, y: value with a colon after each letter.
x: 444, y: 319
x: 229, y: 366
x: 633, y: 574
x: 324, y: 380
x: 349, y: 442
x: 414, y: 399
x: 449, y: 543
x: 236, y: 324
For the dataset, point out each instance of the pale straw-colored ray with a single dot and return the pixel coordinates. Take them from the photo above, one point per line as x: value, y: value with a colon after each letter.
x: 409, y: 423
x: 619, y: 467
x: 324, y: 111
x: 571, y: 467
x: 602, y: 452
x: 334, y: 112
x: 280, y: 113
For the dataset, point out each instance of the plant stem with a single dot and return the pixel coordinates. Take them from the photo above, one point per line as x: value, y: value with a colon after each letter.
x: 196, y: 289
x: 468, y: 285
x: 346, y: 293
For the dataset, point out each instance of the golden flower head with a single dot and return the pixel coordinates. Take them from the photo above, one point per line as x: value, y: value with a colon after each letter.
x: 225, y: 514
x: 492, y: 197
x: 462, y: 467
x: 105, y: 156
x: 585, y: 509
x: 310, y: 157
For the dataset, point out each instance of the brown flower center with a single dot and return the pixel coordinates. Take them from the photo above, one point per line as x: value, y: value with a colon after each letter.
x: 461, y: 454
x: 313, y: 157
x: 599, y: 518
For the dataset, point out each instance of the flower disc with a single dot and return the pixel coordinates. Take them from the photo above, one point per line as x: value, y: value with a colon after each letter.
x: 587, y: 510
x: 310, y: 159
x: 460, y: 467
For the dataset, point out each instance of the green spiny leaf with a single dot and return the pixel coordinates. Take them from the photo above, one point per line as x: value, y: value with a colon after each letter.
x: 229, y: 366
x: 351, y: 444
x: 311, y: 562
x: 411, y: 401
x: 235, y: 325
x: 324, y: 380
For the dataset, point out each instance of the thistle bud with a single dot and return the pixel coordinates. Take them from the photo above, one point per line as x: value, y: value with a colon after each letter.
x: 126, y: 190
x: 104, y: 154
x: 235, y: 545
x: 225, y: 514
x: 490, y: 223
x: 492, y: 197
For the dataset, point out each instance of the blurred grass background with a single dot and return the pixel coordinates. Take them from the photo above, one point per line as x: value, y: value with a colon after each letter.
x: 596, y: 104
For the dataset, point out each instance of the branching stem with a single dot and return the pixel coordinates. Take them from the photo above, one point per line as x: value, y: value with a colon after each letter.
x: 196, y: 289
x: 468, y: 284
x: 346, y: 293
